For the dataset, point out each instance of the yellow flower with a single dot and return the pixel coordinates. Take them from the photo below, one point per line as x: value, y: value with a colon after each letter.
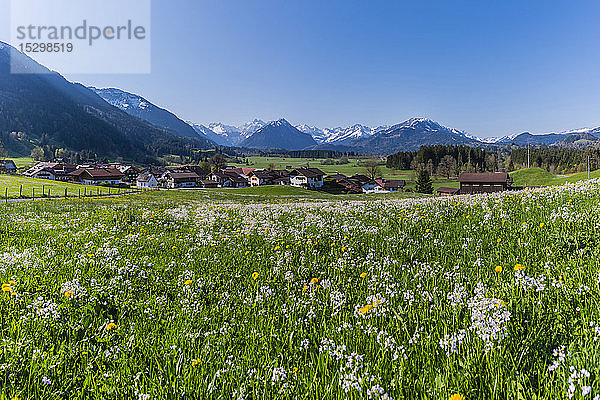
x: 498, y: 268
x: 247, y: 252
x: 427, y: 231
x: 6, y: 287
x: 188, y: 282
x: 174, y: 248
x: 111, y: 326
x: 68, y: 293
x: 366, y: 309
x: 457, y: 396
x: 276, y: 247
x: 498, y: 240
x: 295, y: 369
x: 541, y: 224
x: 363, y: 275
x: 314, y: 280
x: 195, y: 362
x: 254, y: 275
x: 304, y: 288
x: 518, y: 267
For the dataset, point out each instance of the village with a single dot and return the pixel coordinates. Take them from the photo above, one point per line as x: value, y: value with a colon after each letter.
x: 194, y: 176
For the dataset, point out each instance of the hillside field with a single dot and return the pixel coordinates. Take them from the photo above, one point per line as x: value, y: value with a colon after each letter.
x: 187, y: 295
x: 15, y: 186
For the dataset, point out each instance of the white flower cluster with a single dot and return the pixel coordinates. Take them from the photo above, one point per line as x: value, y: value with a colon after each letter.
x: 73, y: 289
x: 489, y: 318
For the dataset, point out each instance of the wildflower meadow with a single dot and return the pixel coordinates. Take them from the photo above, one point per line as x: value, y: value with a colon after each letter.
x: 181, y: 296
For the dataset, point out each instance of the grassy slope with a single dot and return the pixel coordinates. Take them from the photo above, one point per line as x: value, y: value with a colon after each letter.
x: 540, y: 177
x: 12, y: 185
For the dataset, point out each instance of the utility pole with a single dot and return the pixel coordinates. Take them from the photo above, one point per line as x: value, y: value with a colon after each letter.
x: 588, y: 166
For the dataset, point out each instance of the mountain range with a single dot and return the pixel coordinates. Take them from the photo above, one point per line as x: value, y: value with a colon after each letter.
x: 48, y: 109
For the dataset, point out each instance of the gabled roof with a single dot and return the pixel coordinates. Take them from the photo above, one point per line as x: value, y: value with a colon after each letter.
x: 262, y: 174
x: 390, y: 184
x: 183, y: 175
x: 308, y: 172
x: 485, y: 177
x: 98, y: 173
x: 145, y: 177
x: 448, y: 190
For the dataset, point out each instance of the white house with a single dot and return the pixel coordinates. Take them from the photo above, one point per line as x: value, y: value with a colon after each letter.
x: 146, y: 181
x: 311, y: 178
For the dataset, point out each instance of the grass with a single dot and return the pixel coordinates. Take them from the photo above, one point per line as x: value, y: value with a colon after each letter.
x: 22, y: 162
x: 351, y: 168
x: 14, y: 187
x: 221, y: 294
x: 541, y: 177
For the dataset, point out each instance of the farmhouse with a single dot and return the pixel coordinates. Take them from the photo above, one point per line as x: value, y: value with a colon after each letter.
x: 311, y: 178
x: 7, y: 167
x: 392, y: 185
x: 176, y: 180
x: 146, y: 181
x: 261, y: 177
x: 488, y: 182
x: 131, y: 173
x: 228, y: 178
x: 55, y: 171
x: 97, y: 176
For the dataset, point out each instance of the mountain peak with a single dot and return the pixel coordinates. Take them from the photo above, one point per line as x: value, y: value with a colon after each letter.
x: 280, y: 122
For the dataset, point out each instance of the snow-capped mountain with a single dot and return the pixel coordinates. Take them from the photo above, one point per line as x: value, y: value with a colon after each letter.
x: 339, y: 135
x: 249, y: 128
x: 139, y: 107
x: 279, y: 134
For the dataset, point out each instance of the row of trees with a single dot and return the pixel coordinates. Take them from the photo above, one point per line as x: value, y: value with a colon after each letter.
x: 449, y: 161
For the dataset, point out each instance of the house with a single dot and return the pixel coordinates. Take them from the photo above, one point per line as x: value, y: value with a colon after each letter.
x: 487, y: 182
x: 311, y: 178
x: 146, y: 181
x: 243, y: 171
x: 228, y: 178
x: 8, y: 167
x: 447, y: 191
x: 131, y: 173
x: 97, y: 176
x: 261, y: 177
x: 391, y: 185
x: 175, y: 180
x: 207, y: 184
x: 56, y: 171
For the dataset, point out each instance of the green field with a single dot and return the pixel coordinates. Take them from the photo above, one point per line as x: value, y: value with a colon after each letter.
x: 541, y: 177
x: 15, y: 187
x: 23, y: 162
x: 277, y: 293
x: 351, y: 168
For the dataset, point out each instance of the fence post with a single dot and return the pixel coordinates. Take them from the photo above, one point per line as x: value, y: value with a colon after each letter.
x: 79, y: 193
x: 33, y: 193
x: 21, y: 191
x: 6, y: 194
x: 65, y: 193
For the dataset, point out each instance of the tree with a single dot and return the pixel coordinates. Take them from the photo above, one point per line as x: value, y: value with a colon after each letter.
x: 372, y: 170
x: 37, y: 154
x: 424, y: 182
x: 272, y: 166
x: 217, y: 162
x: 447, y: 166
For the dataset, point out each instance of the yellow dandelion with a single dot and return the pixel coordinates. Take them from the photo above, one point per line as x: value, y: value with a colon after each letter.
x: 518, y: 267
x: 457, y: 396
x: 366, y: 309
x: 254, y: 275
x: 427, y: 230
x: 498, y: 240
x: 295, y: 369
x: 363, y: 275
x: 195, y: 362
x: 247, y: 252
x: 68, y: 293
x: 304, y: 288
x: 188, y: 282
x: 111, y: 326
x: 174, y: 248
x: 276, y: 247
x: 542, y: 224
x: 498, y: 268
x: 314, y: 280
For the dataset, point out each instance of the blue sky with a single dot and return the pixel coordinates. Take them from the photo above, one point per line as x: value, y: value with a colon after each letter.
x: 490, y: 68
